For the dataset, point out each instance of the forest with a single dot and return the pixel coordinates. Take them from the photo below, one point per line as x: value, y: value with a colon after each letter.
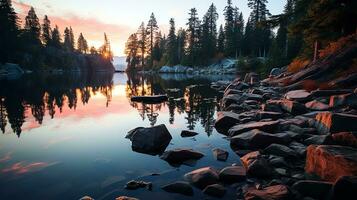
x: 263, y: 42
x: 36, y: 45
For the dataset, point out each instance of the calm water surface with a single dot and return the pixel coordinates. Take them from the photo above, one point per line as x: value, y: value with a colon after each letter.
x: 63, y: 136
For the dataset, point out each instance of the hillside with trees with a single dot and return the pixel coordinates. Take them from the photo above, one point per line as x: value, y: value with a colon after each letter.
x: 38, y: 45
x: 261, y: 43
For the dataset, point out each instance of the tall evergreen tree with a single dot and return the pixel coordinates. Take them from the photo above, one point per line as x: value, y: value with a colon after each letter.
x: 56, y: 38
x: 221, y: 40
x: 82, y: 45
x: 71, y: 37
x: 209, y: 34
x: 9, y: 30
x: 158, y: 49
x: 193, y: 37
x: 32, y: 28
x: 46, y: 31
x: 229, y: 29
x: 181, y: 44
x: 151, y: 30
x: 106, y: 50
x: 131, y: 51
x: 172, y: 50
x: 67, y: 43
x: 141, y: 34
x: 238, y: 32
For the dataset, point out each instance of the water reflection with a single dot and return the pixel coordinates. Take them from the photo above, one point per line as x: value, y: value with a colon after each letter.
x: 47, y: 95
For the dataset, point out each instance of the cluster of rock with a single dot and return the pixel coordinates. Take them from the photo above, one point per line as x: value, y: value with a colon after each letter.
x: 293, y: 144
x: 225, y: 66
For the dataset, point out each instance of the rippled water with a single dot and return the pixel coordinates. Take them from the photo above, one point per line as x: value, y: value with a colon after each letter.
x: 64, y: 135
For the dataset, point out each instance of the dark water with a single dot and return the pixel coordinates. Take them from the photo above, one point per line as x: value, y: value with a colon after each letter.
x: 63, y: 136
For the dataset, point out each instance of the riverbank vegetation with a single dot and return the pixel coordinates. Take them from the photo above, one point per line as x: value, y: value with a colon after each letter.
x: 37, y: 45
x: 263, y: 42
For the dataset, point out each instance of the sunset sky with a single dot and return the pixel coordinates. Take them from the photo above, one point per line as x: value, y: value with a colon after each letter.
x: 120, y: 18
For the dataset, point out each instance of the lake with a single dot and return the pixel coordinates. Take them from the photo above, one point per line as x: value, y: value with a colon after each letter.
x: 63, y: 136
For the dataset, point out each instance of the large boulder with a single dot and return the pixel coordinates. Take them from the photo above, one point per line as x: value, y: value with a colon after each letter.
x: 215, y: 190
x: 179, y: 187
x: 225, y: 120
x: 203, y: 177
x: 317, y: 105
x: 153, y: 140
x: 276, y: 192
x: 298, y: 95
x: 331, y: 161
x: 257, y: 165
x: 345, y: 188
x: 328, y: 122
x: 220, y: 154
x: 179, y: 156
x: 258, y: 139
x: 268, y: 126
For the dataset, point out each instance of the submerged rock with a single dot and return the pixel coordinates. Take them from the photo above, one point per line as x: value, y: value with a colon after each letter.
x: 179, y: 187
x: 86, y: 198
x: 134, y: 185
x: 179, y: 156
x: 203, y: 177
x: 220, y: 154
x: 126, y: 198
x: 153, y: 140
x: 330, y: 162
x: 215, y: 190
x: 276, y: 192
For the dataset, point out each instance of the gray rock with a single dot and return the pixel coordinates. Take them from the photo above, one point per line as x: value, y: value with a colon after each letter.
x: 225, y: 120
x: 318, y: 139
x: 233, y: 174
x: 300, y: 130
x: 125, y: 198
x: 276, y: 192
x: 269, y: 115
x: 298, y: 95
x: 153, y: 140
x: 86, y: 198
x: 203, y: 177
x: 314, y: 189
x: 276, y: 72
x: 215, y: 190
x: 316, y: 105
x: 280, y: 150
x: 179, y: 187
x: 257, y: 165
x: 179, y: 156
x: 134, y: 185
x: 258, y: 139
x: 335, y: 122
x: 269, y: 126
x: 293, y: 107
x: 344, y: 100
x: 220, y: 154
x: 298, y: 148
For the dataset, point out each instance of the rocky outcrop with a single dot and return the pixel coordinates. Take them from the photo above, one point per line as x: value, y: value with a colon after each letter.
x: 330, y: 162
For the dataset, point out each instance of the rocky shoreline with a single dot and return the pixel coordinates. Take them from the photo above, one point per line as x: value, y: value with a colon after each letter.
x: 292, y: 144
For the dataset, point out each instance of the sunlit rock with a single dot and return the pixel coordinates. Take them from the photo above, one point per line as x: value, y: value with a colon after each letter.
x: 179, y: 156
x: 276, y: 192
x: 330, y: 162
x: 203, y: 177
x: 335, y: 122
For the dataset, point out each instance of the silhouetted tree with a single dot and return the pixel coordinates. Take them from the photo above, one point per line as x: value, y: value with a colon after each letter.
x: 56, y: 38
x: 141, y: 34
x: 131, y: 51
x: 32, y: 28
x: 151, y: 31
x: 82, y: 45
x: 172, y: 50
x: 229, y: 29
x: 46, y: 31
x: 193, y: 37
x: 221, y: 39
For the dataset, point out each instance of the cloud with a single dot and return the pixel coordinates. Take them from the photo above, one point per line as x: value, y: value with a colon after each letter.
x: 92, y: 29
x: 23, y: 168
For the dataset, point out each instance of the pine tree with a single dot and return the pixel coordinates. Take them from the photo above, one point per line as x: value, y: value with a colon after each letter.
x: 9, y: 30
x: 71, y: 37
x: 131, y: 51
x: 209, y: 34
x: 56, y: 38
x: 181, y: 44
x: 172, y: 49
x: 193, y: 37
x: 229, y: 29
x: 141, y: 34
x: 46, y: 31
x: 221, y: 40
x: 67, y: 40
x: 93, y: 51
x: 238, y: 32
x: 151, y: 31
x: 82, y: 45
x: 32, y: 28
x: 158, y: 49
x: 106, y: 50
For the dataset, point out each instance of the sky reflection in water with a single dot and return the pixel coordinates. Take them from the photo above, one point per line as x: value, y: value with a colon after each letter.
x: 64, y: 136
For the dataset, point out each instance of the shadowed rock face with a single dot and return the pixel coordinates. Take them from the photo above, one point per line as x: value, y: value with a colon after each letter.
x: 225, y: 120
x: 179, y: 156
x: 330, y: 162
x: 203, y: 177
x: 179, y: 187
x: 269, y: 126
x: 335, y: 122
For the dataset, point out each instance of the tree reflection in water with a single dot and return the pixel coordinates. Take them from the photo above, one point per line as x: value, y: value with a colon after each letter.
x: 43, y: 95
